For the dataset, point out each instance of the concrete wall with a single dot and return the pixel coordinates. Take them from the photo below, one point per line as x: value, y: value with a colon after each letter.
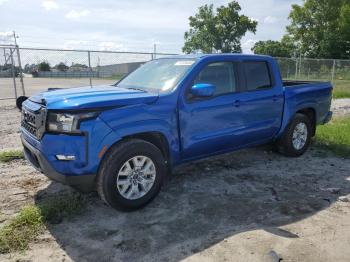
x: 118, y: 69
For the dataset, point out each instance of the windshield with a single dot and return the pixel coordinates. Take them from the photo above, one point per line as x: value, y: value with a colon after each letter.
x: 159, y: 75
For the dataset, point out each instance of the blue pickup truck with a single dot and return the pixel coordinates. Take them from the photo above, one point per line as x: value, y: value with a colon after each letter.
x: 124, y: 139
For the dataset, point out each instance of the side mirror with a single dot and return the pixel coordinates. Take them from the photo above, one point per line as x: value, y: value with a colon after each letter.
x: 203, y: 90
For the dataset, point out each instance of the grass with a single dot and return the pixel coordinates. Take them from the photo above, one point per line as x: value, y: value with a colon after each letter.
x: 341, y: 89
x: 9, y: 155
x: 21, y: 230
x: 30, y: 222
x: 335, y: 137
x: 114, y: 77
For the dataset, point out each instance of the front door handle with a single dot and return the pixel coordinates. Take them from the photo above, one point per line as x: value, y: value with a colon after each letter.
x: 237, y: 103
x: 275, y: 98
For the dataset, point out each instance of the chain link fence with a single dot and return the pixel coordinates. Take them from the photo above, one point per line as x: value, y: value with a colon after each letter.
x: 56, y: 68
x: 11, y: 80
x: 333, y: 70
x: 314, y: 69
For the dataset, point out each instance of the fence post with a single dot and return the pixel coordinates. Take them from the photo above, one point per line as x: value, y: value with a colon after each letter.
x: 20, y: 70
x: 13, y: 72
x: 333, y: 70
x: 90, y: 69
x: 299, y: 69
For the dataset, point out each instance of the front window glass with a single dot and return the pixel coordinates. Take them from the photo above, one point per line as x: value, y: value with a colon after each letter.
x: 221, y: 75
x: 159, y: 75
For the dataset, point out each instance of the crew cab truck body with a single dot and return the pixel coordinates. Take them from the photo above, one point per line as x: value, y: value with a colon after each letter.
x: 124, y: 139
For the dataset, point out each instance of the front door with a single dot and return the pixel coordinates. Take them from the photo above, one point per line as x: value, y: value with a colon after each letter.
x: 208, y: 124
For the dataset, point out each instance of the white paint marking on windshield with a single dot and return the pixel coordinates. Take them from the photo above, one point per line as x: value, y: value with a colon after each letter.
x: 184, y: 63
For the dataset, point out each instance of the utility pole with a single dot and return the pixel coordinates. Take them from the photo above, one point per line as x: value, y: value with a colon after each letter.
x: 13, y: 73
x: 19, y: 63
x: 15, y: 37
x: 5, y: 57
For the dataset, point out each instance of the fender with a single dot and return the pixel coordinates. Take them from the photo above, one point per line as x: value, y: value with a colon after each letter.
x: 290, y: 109
x: 140, y: 119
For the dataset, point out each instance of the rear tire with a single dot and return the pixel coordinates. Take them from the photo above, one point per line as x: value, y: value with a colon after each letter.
x: 296, y: 137
x: 131, y: 175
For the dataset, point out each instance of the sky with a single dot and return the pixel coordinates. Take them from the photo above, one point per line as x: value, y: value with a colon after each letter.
x: 125, y: 25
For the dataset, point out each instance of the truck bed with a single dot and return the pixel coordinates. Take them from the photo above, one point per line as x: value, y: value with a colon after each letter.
x: 295, y: 83
x: 313, y: 94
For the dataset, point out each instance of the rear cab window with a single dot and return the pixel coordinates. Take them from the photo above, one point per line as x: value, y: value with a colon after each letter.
x: 257, y: 75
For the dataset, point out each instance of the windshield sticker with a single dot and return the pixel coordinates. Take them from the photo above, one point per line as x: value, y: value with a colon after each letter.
x: 184, y: 63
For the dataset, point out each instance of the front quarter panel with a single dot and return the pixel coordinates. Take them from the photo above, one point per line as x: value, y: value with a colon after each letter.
x: 142, y: 118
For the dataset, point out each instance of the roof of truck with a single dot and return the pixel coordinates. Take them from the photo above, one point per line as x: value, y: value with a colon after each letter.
x: 198, y: 56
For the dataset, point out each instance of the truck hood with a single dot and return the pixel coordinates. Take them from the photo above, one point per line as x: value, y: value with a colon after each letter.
x: 92, y: 97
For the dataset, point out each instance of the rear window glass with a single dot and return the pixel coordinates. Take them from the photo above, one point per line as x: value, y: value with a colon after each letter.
x: 257, y: 75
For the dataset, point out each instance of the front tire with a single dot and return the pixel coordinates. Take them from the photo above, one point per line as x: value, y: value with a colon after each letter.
x: 131, y: 175
x: 296, y: 137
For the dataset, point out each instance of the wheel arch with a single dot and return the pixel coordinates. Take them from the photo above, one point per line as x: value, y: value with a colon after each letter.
x: 156, y: 138
x: 311, y: 114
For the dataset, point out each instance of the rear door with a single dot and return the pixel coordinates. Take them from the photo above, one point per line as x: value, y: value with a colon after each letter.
x: 260, y: 102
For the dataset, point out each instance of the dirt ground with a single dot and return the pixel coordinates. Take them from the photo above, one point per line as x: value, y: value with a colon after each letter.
x: 251, y: 205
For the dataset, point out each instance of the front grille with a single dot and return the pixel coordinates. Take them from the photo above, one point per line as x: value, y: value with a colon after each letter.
x: 34, y: 121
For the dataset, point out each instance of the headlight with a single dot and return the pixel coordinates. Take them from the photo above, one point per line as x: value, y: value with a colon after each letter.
x: 67, y: 123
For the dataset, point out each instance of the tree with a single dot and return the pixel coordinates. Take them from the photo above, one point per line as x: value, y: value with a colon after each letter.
x: 321, y: 28
x: 78, y: 67
x: 62, y: 67
x: 344, y: 25
x: 283, y: 48
x: 44, y: 66
x: 219, y: 31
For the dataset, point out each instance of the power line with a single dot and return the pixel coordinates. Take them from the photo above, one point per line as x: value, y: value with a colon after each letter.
x: 97, y: 43
x: 88, y: 44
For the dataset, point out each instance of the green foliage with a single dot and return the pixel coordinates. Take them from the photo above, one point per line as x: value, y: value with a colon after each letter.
x: 30, y: 222
x: 62, y: 67
x: 321, y: 27
x: 283, y: 48
x: 77, y: 65
x: 335, y: 136
x: 217, y: 31
x: 44, y: 66
x: 7, y: 156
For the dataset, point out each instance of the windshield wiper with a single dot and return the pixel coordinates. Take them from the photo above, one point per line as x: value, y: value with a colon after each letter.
x: 133, y: 88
